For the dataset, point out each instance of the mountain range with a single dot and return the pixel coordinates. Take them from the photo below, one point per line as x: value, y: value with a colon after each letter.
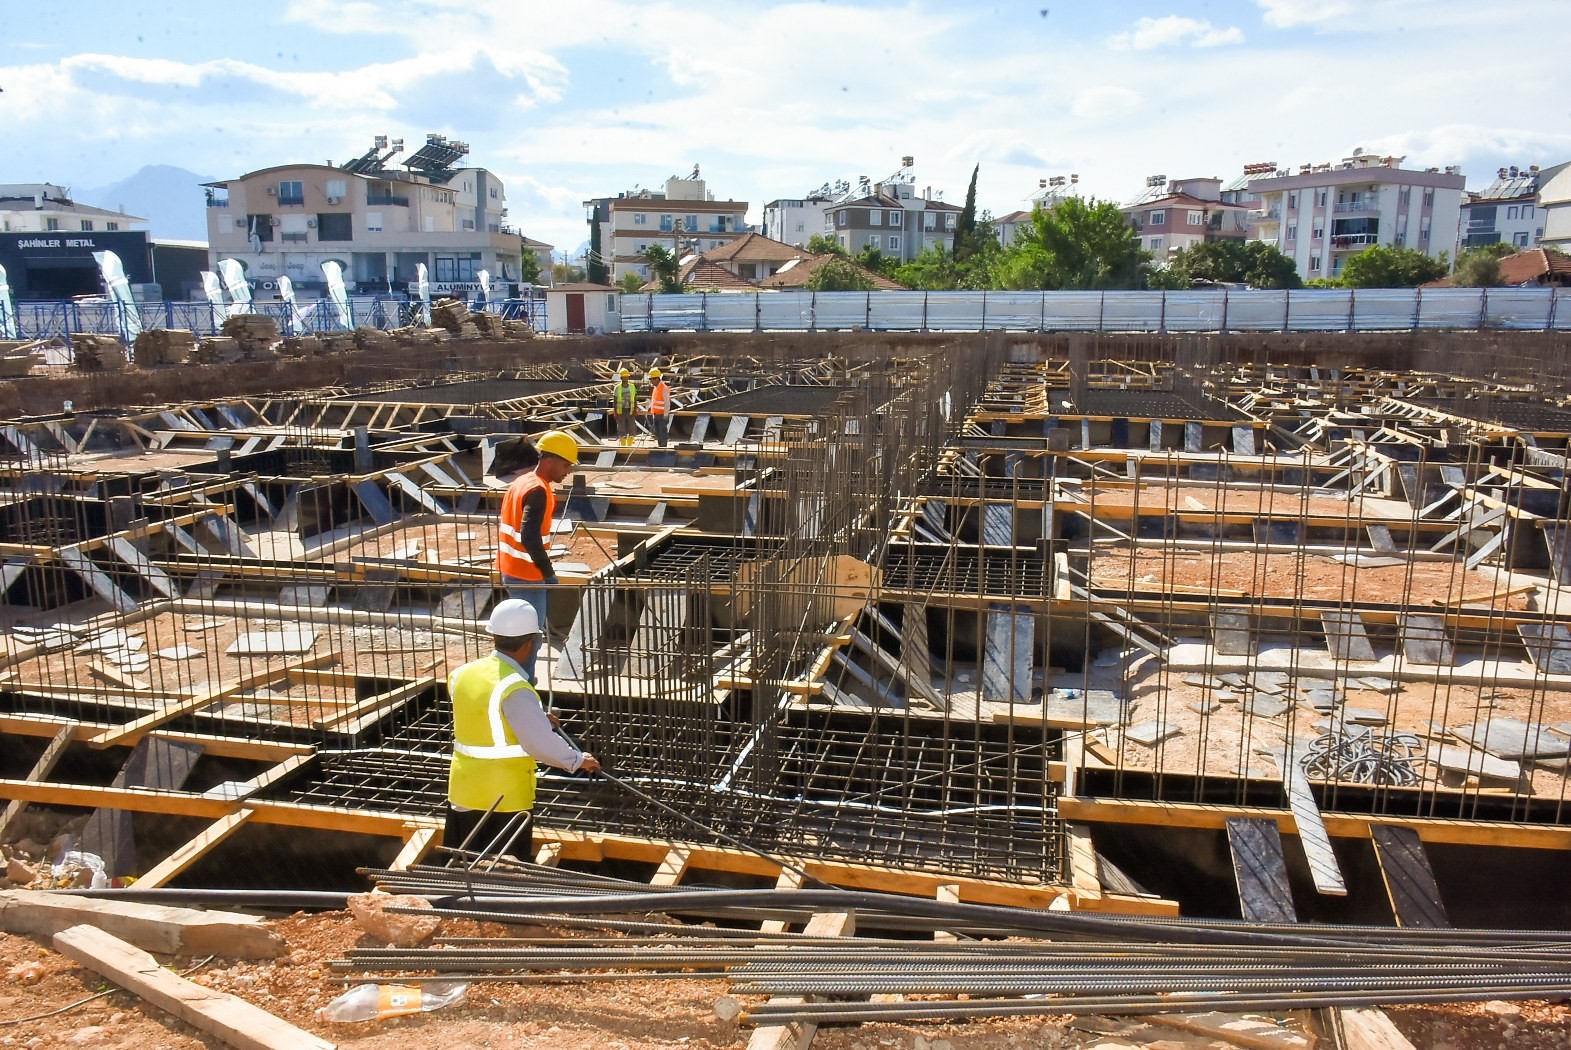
x: 169, y: 198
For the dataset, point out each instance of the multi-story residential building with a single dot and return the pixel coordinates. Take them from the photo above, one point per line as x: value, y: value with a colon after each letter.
x: 1325, y: 214
x: 377, y: 222
x: 47, y: 241
x: 1049, y: 193
x: 1507, y: 210
x: 891, y: 217
x: 1238, y: 192
x: 1180, y: 214
x: 796, y: 220
x: 684, y: 218
x: 1554, y: 201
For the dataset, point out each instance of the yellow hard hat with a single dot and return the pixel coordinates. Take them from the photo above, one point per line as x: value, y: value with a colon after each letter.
x: 654, y: 373
x: 559, y: 443
x: 625, y: 374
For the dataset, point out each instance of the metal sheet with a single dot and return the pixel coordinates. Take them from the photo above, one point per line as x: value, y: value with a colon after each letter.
x: 1260, y: 870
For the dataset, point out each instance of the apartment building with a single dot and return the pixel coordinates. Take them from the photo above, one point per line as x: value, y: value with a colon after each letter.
x: 1325, y: 214
x: 376, y: 221
x: 1180, y: 214
x: 1507, y: 211
x: 795, y: 220
x: 891, y: 217
x: 1554, y: 200
x: 684, y: 218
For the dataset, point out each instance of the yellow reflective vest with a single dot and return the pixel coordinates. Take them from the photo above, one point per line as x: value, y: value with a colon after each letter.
x: 489, y: 764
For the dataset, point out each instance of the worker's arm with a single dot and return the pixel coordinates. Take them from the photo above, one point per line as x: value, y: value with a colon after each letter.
x: 533, y: 730
x: 533, y: 524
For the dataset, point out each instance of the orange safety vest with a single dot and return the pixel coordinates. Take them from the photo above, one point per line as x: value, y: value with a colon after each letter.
x: 511, y: 558
x: 660, y: 399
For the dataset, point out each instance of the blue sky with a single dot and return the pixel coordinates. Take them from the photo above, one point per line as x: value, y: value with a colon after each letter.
x: 572, y: 100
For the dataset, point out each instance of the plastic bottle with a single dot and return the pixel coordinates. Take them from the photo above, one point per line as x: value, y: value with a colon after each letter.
x: 372, y: 1002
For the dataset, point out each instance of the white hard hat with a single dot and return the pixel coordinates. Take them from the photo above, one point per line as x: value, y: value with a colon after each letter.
x: 513, y: 618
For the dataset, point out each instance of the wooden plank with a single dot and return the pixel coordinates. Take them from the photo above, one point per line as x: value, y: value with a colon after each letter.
x: 1312, y: 835
x: 231, y: 1019
x: 1085, y: 873
x: 151, y: 927
x: 193, y: 851
x: 419, y: 843
x: 134, y: 731
x: 222, y: 746
x: 1260, y: 871
x: 372, y: 704
x: 672, y: 868
x: 1369, y: 1028
x: 1410, y: 881
x: 787, y: 880
x: 1250, y: 1032
x: 798, y: 1034
x: 40, y: 771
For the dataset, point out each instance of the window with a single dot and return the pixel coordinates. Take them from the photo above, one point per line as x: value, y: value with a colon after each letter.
x: 1314, y: 263
x: 875, y: 217
x: 874, y: 241
x: 610, y: 297
x: 894, y: 242
x: 665, y: 224
x: 949, y: 220
x: 843, y: 240
x: 1156, y: 243
x: 52, y: 225
x: 1292, y: 200
x: 1196, y: 218
x: 1320, y: 198
x: 493, y: 197
x: 896, y: 219
x: 641, y: 246
x: 87, y: 225
x: 334, y: 226
x: 373, y: 222
x: 337, y: 189
x: 113, y: 226
x: 640, y: 218
x: 929, y: 221
x: 1429, y: 198
x: 1157, y: 218
x: 1511, y: 212
x: 1319, y: 232
x: 840, y: 218
x: 260, y: 227
x: 291, y: 191
x: 1527, y: 211
x: 692, y: 223
x: 1404, y: 196
x: 1520, y: 240
x: 1292, y: 233
x: 1423, y: 234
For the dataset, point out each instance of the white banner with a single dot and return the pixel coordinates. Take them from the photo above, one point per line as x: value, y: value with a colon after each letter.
x: 286, y: 292
x: 423, y: 294
x: 484, y: 279
x: 8, y: 327
x: 336, y: 292
x: 130, y: 321
x: 236, y: 285
x: 215, y: 295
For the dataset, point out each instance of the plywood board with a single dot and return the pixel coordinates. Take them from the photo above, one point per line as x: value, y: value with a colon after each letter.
x: 1260, y: 871
x: 273, y: 643
x: 1410, y: 881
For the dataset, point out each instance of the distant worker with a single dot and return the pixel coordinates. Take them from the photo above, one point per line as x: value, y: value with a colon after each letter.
x: 659, y: 406
x: 524, y: 532
x: 500, y: 732
x: 624, y: 402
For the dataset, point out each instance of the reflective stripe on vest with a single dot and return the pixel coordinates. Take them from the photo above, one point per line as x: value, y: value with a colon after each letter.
x: 511, y: 557
x: 489, y: 767
x: 660, y: 399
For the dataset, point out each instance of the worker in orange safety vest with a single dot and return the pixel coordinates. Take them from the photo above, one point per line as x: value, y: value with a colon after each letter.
x: 659, y: 406
x: 524, y: 529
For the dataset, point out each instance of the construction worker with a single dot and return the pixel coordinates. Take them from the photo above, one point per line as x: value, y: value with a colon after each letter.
x: 524, y: 532
x: 500, y: 732
x: 659, y: 406
x: 624, y: 402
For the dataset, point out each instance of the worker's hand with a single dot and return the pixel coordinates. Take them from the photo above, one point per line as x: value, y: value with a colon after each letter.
x: 556, y: 723
x: 551, y: 580
x: 590, y: 764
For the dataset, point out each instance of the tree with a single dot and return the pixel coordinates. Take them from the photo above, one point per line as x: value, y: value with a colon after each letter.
x: 965, y: 225
x: 1078, y: 244
x: 934, y: 270
x: 1480, y: 267
x: 1257, y: 264
x: 1383, y: 267
x: 1269, y: 268
x: 840, y: 275
x: 1170, y: 278
x: 874, y: 259
x: 664, y: 267
x: 596, y: 269
x: 566, y: 273
x: 630, y: 283
x: 528, y: 266
x: 822, y: 244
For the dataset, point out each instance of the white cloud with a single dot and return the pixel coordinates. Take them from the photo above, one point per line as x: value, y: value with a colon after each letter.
x: 1105, y: 101
x: 1172, y: 31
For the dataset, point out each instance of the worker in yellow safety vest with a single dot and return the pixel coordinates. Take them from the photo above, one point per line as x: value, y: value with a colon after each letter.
x: 659, y: 406
x: 528, y: 513
x: 624, y: 402
x: 500, y: 734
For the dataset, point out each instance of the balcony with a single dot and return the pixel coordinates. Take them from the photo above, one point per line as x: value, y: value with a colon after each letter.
x: 1354, y: 241
x: 1266, y: 215
x: 214, y: 202
x: 1358, y: 207
x: 294, y: 238
x: 298, y: 202
x: 387, y: 198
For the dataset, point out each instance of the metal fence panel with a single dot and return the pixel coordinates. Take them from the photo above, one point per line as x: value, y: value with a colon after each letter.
x: 730, y: 312
x: 785, y: 311
x: 1203, y: 311
x: 899, y: 311
x: 1560, y: 310
x: 1382, y: 309
x: 1132, y: 311
x: 677, y: 313
x: 1257, y: 310
x: 1521, y: 308
x: 1319, y: 310
x: 1450, y: 308
x: 840, y: 309
x: 1072, y: 311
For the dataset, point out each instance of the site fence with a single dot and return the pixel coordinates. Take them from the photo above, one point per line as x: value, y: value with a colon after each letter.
x: 1317, y: 310
x: 59, y: 319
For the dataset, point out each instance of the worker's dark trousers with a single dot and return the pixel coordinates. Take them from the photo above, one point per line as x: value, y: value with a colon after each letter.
x: 624, y: 425
x: 662, y: 428
x: 489, y: 832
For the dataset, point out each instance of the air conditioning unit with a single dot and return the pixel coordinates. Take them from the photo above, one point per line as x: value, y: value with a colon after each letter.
x: 335, y: 200
x: 272, y: 191
x: 272, y: 222
x: 310, y: 224
x: 239, y: 224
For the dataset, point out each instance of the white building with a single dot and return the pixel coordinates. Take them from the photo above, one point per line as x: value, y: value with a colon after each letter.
x: 1554, y: 200
x: 43, y: 207
x: 795, y: 220
x: 1507, y: 212
x: 376, y: 221
x: 1325, y: 214
x: 684, y: 218
x: 583, y: 309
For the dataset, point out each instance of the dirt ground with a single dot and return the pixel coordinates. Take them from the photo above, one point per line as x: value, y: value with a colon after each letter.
x: 1222, y: 498
x: 635, y: 1015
